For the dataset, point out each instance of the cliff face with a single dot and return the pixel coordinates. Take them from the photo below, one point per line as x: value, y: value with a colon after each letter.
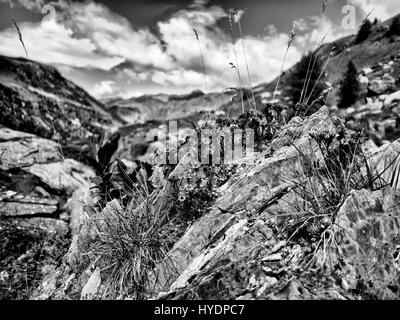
x: 276, y: 229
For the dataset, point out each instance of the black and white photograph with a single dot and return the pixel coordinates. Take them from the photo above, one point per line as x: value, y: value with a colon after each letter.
x: 199, y: 150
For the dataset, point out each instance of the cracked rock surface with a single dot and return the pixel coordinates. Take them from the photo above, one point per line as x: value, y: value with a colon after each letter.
x: 36, y: 216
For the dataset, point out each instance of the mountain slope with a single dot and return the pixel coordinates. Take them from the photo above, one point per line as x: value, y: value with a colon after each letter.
x: 36, y: 98
x: 165, y: 107
x: 377, y: 48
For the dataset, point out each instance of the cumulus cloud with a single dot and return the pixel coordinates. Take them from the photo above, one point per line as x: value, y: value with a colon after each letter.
x: 103, y: 89
x: 264, y: 53
x: 382, y: 9
x: 318, y: 30
x: 53, y: 43
x: 89, y: 35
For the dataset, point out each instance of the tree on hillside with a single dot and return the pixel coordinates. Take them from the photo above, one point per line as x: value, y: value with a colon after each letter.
x: 350, y: 88
x: 394, y: 29
x: 302, y: 87
x: 364, y: 32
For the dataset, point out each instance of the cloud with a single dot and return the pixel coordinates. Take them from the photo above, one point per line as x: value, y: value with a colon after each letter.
x: 28, y: 4
x: 317, y: 30
x: 383, y: 9
x: 89, y: 36
x: 264, y: 53
x: 53, y: 43
x: 103, y: 89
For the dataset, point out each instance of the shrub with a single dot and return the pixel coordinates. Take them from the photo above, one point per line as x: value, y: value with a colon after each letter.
x: 364, y: 32
x: 350, y: 88
x: 394, y: 29
x: 265, y: 122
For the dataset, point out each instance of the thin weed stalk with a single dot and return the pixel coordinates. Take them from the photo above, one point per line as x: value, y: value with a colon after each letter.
x: 320, y: 75
x: 240, y: 84
x: 230, y: 17
x: 202, y: 59
x: 309, y: 71
x: 348, y: 46
x: 291, y: 39
x: 245, y: 56
x: 313, y: 59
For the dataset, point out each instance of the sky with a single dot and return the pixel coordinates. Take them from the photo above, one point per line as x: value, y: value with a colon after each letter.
x: 129, y: 48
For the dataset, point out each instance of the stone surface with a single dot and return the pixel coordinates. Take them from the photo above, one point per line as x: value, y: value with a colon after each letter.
x: 15, y: 208
x: 367, y: 233
x: 41, y: 196
x: 248, y: 194
x: 20, y: 150
x: 65, y: 176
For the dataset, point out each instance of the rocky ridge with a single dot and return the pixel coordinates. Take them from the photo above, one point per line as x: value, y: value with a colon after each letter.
x: 244, y: 247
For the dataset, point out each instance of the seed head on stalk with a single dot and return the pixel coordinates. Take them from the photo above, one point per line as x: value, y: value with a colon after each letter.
x: 291, y: 39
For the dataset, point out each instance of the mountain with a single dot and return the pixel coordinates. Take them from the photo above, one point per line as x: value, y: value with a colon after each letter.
x: 36, y: 98
x: 377, y: 48
x: 165, y: 107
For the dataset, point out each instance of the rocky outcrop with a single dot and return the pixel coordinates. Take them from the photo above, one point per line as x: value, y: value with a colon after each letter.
x: 244, y: 247
x: 36, y: 185
x: 237, y: 250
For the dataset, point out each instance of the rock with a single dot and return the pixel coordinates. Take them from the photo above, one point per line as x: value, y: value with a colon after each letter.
x: 37, y: 226
x: 39, y: 190
x: 65, y: 176
x: 250, y: 194
x: 241, y: 247
x: 366, y: 71
x: 197, y: 264
x: 319, y: 123
x: 380, y: 160
x: 367, y: 233
x: 363, y: 80
x: 380, y: 86
x: 267, y: 283
x: 21, y: 150
x: 75, y: 205
x: 90, y: 289
x: 395, y: 96
x: 18, y: 208
x: 38, y: 182
x: 273, y: 257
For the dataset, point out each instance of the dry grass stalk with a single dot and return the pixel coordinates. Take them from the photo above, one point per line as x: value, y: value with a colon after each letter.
x: 291, y: 39
x: 348, y: 46
x: 202, y: 59
x: 321, y: 73
x: 240, y: 84
x: 230, y: 18
x: 236, y: 14
x: 310, y: 70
